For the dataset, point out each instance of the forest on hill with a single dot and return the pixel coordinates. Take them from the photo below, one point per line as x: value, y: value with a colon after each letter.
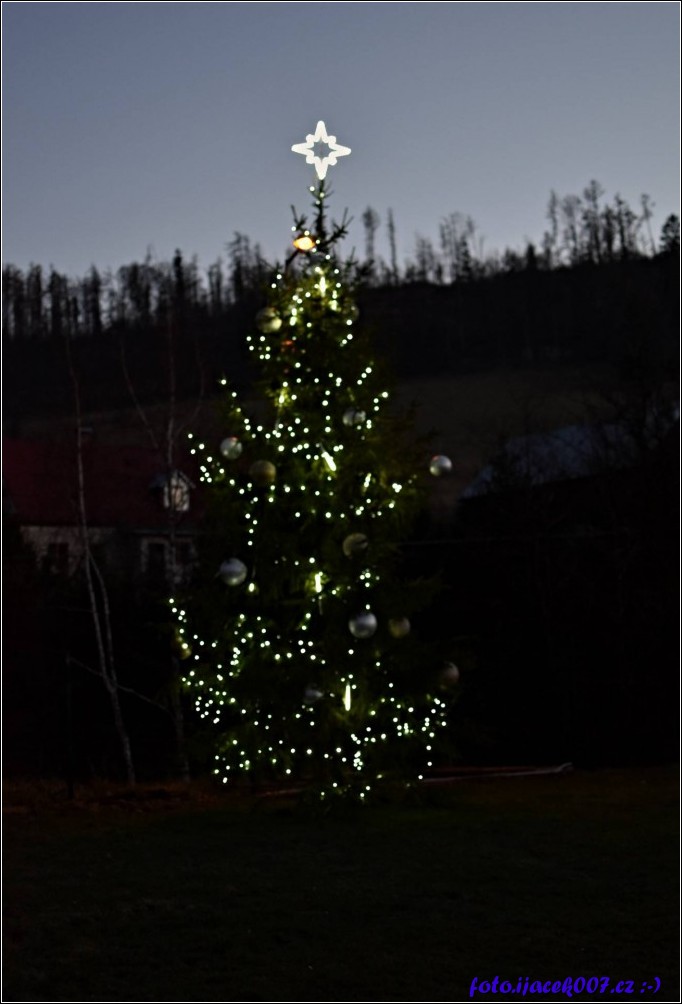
x: 599, y: 288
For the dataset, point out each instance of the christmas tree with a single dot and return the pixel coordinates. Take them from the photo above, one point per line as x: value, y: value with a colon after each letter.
x: 300, y: 653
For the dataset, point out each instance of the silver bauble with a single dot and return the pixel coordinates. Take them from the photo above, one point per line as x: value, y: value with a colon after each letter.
x: 449, y: 675
x: 399, y: 627
x: 268, y: 320
x: 311, y: 695
x: 354, y: 544
x: 231, y: 448
x: 354, y: 416
x: 233, y: 572
x: 263, y: 473
x: 363, y: 625
x: 440, y: 465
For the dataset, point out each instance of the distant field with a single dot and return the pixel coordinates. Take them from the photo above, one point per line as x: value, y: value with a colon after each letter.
x: 207, y: 899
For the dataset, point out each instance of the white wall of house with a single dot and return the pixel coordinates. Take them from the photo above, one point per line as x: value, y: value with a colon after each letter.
x: 60, y: 548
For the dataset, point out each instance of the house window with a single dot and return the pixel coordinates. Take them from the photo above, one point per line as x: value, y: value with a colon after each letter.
x: 156, y: 561
x: 176, y: 493
x: 173, y: 490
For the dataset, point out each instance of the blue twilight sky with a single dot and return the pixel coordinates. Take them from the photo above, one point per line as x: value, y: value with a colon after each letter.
x: 130, y: 126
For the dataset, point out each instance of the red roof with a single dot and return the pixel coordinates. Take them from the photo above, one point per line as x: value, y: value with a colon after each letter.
x: 41, y: 483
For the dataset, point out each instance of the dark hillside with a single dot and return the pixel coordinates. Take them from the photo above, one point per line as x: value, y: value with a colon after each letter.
x: 583, y: 315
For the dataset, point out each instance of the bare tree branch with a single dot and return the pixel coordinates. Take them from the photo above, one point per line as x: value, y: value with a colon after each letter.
x: 119, y: 686
x: 101, y: 619
x: 136, y: 401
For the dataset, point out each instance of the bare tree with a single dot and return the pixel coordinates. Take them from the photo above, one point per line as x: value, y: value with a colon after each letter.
x: 165, y: 440
x: 426, y: 261
x: 571, y: 207
x: 13, y: 303
x: 457, y: 236
x: 647, y: 213
x: 98, y: 595
x: 247, y: 265
x: 390, y: 225
x: 216, y: 288
x: 449, y: 233
x: 592, y: 221
x: 34, y: 301
x: 550, y: 240
x: 370, y: 221
x: 670, y: 235
x: 608, y: 229
x: 627, y: 226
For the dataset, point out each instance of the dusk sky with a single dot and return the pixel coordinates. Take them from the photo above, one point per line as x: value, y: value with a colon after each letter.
x: 135, y: 126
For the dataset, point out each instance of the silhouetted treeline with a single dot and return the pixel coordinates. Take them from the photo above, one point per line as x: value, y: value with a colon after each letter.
x: 582, y: 230
x: 599, y: 283
x: 139, y: 296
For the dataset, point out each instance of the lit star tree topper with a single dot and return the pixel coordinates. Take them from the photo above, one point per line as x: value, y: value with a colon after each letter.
x: 321, y: 136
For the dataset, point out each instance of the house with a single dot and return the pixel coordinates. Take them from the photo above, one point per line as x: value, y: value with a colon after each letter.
x: 141, y: 519
x: 582, y: 479
x: 571, y: 452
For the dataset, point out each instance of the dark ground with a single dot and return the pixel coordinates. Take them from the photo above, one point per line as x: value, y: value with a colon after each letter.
x: 191, y: 895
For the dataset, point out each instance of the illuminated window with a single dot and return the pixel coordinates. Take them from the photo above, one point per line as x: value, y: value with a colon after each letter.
x: 174, y: 489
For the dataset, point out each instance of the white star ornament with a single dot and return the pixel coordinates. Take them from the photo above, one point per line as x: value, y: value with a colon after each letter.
x: 321, y: 163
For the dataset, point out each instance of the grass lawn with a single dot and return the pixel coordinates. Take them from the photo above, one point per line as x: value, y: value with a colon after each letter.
x: 218, y: 900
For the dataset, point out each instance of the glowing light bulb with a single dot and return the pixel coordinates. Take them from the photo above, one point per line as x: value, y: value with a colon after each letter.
x: 304, y: 242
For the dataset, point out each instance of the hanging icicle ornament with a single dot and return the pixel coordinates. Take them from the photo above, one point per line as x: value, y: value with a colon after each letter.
x: 268, y: 321
x: 439, y: 466
x: 181, y: 647
x: 231, y: 448
x: 363, y: 625
x: 232, y: 572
